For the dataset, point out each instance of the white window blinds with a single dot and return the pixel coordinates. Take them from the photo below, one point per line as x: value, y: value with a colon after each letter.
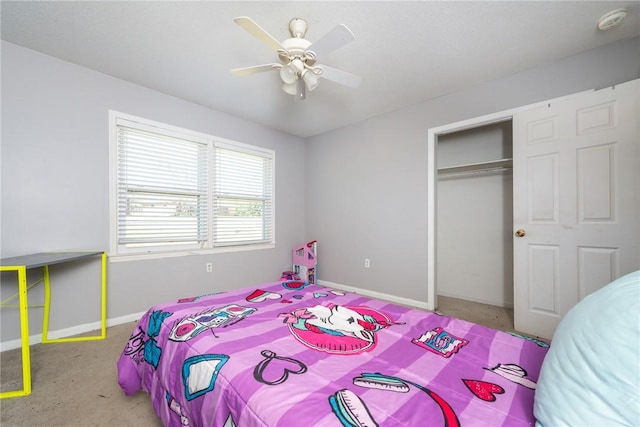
x: 162, y: 189
x: 181, y: 190
x: 243, y: 196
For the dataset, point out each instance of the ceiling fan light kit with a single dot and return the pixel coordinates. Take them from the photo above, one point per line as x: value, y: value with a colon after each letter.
x: 297, y: 68
x: 290, y: 72
x: 290, y: 88
x: 310, y: 79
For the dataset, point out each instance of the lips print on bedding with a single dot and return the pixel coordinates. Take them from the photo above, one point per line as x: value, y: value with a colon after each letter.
x: 294, y: 285
x: 261, y: 296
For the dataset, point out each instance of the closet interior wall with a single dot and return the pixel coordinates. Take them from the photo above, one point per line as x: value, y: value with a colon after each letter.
x: 474, y: 246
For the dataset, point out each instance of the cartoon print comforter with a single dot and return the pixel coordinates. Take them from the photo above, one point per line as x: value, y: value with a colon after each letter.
x: 292, y: 354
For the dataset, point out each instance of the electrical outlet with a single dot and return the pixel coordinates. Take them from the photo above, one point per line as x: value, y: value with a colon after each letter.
x: 367, y: 263
x: 209, y: 267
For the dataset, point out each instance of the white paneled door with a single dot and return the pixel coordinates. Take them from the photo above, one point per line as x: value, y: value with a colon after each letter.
x: 576, y: 180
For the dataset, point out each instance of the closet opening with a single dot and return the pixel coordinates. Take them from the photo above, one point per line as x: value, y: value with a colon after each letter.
x: 474, y: 218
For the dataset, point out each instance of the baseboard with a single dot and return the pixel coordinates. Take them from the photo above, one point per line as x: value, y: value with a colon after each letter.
x: 478, y: 300
x: 378, y: 295
x: 68, y: 332
x: 88, y: 327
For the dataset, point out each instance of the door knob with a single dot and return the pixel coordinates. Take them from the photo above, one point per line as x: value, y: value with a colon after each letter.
x: 520, y: 232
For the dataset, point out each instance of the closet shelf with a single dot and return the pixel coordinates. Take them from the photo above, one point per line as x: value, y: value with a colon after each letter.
x: 494, y: 165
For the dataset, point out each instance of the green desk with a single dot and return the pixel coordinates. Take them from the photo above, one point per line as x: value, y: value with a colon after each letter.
x: 23, y: 263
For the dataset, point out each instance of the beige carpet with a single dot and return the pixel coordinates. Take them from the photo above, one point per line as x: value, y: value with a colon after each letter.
x: 75, y: 384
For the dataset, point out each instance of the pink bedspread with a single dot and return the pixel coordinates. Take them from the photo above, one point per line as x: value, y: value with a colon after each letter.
x: 290, y: 354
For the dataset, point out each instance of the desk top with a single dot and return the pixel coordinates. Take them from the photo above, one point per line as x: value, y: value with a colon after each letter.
x: 45, y: 258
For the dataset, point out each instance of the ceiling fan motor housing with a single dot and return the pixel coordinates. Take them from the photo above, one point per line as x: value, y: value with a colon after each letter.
x: 297, y: 48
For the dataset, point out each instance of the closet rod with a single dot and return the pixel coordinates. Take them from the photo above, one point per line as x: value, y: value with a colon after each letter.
x: 472, y: 167
x: 473, y: 172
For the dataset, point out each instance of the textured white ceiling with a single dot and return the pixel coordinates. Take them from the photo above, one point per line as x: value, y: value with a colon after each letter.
x: 406, y: 51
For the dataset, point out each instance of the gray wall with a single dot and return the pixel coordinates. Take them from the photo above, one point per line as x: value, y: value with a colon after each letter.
x: 367, y: 182
x: 55, y: 170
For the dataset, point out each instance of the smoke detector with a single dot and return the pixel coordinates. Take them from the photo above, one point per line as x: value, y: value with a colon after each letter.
x: 612, y: 19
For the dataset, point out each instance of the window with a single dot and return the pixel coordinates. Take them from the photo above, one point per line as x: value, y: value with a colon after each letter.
x: 177, y: 190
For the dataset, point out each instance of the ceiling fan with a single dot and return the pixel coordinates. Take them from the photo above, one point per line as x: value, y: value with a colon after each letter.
x: 298, y: 67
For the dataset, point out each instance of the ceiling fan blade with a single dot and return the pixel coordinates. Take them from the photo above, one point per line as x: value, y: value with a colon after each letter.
x: 334, y: 39
x: 339, y: 76
x: 258, y: 32
x: 255, y: 69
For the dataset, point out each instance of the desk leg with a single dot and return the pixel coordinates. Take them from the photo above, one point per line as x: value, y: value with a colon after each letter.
x: 24, y: 337
x: 103, y: 307
x: 47, y: 303
x: 104, y: 295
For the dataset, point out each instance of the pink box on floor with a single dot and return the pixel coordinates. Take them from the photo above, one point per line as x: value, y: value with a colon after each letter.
x: 305, y: 261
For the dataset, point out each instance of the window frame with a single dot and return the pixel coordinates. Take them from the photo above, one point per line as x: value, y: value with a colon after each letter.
x: 120, y: 252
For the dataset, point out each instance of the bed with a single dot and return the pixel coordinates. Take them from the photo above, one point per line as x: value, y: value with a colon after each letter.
x: 289, y: 353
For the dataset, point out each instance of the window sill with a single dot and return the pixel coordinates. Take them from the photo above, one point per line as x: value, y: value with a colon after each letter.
x: 160, y: 255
